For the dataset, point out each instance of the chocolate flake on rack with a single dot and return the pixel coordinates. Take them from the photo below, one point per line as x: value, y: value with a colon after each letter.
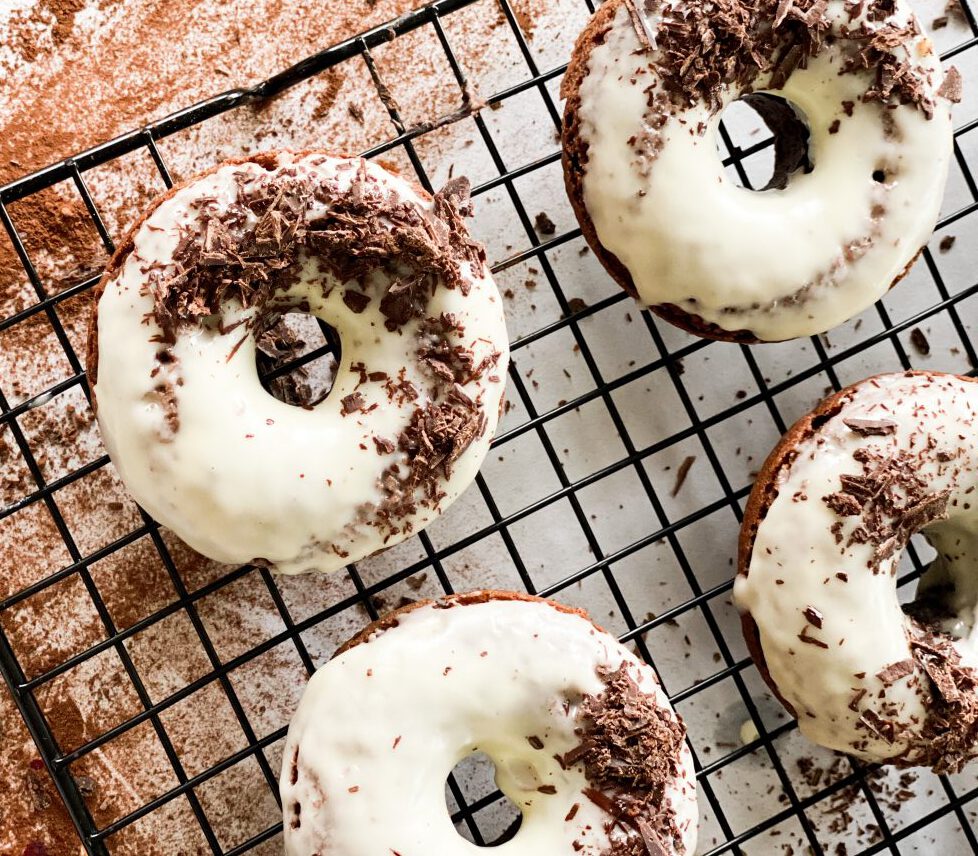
x: 950, y: 731
x: 951, y: 86
x: 629, y: 749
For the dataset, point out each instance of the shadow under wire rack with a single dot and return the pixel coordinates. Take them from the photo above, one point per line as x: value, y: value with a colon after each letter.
x: 603, y: 505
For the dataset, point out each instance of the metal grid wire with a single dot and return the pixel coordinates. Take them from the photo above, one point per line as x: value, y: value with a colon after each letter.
x: 670, y: 356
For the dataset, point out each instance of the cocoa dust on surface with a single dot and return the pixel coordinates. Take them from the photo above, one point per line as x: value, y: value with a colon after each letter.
x: 77, y: 73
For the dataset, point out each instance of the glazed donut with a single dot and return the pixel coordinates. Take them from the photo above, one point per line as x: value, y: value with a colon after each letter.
x: 239, y: 475
x: 858, y: 178
x: 584, y: 740
x: 826, y: 524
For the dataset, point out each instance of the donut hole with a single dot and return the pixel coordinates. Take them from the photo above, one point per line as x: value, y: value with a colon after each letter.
x: 296, y: 358
x: 474, y: 778
x: 769, y: 167
x: 943, y: 598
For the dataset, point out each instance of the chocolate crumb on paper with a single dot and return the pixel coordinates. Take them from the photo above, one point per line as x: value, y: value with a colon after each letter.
x: 947, y: 242
x: 682, y: 473
x: 544, y: 225
x: 576, y: 305
x: 920, y: 341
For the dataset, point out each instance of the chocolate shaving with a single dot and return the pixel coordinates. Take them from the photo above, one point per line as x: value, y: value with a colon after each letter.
x: 639, y: 11
x: 705, y: 48
x: 682, y: 473
x: 895, y: 671
x: 920, y: 342
x: 544, y: 225
x: 384, y: 446
x: 352, y: 403
x: 891, y: 499
x: 843, y: 504
x: 869, y: 427
x: 811, y: 640
x: 630, y: 749
x: 951, y: 86
x: 356, y: 301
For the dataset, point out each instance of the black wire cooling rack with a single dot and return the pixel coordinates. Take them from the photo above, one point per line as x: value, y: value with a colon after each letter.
x: 676, y: 362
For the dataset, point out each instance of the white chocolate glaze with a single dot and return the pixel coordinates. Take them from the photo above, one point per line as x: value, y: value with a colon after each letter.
x: 797, y: 561
x: 246, y: 476
x: 382, y: 725
x: 774, y: 263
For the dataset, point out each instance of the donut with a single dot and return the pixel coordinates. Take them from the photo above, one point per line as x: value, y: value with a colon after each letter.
x: 855, y: 96
x: 824, y: 530
x: 239, y: 475
x: 584, y: 740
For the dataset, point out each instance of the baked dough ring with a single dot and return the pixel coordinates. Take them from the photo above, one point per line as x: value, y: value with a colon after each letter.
x: 824, y: 530
x: 645, y: 91
x: 382, y: 725
x: 240, y: 475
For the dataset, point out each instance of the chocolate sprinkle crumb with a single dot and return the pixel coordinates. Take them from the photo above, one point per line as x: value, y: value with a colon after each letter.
x: 682, y: 473
x: 544, y: 225
x: 919, y: 340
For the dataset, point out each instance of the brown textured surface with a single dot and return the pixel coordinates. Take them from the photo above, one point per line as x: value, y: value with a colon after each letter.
x: 574, y: 159
x: 765, y: 491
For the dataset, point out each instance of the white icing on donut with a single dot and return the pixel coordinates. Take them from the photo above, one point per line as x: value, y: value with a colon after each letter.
x: 797, y: 563
x: 689, y: 236
x: 246, y: 476
x: 382, y: 725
